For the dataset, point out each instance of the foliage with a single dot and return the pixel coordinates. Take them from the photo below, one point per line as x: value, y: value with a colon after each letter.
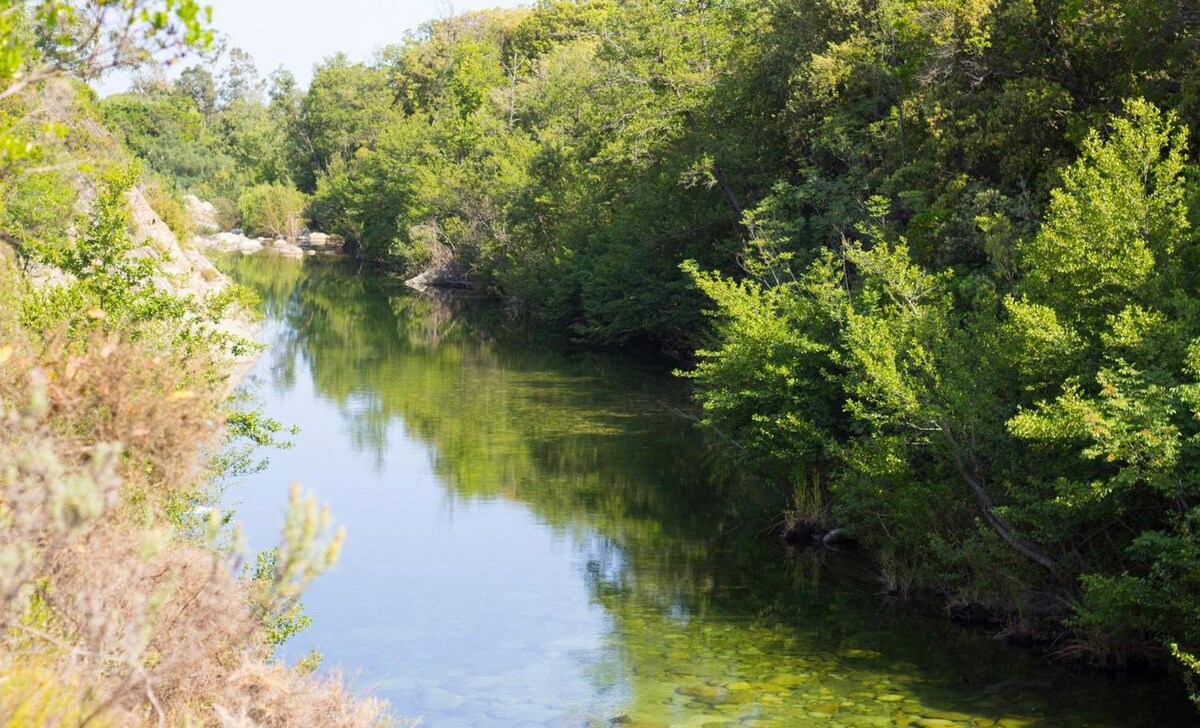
x: 273, y: 209
x: 949, y: 268
x: 108, y: 282
x: 119, y: 600
x: 948, y: 246
x: 34, y: 206
x: 170, y: 136
x: 247, y: 432
x: 1192, y: 667
x: 478, y: 149
x: 280, y: 625
x: 209, y: 135
x: 990, y: 436
x: 171, y: 209
x: 83, y: 39
x: 99, y: 595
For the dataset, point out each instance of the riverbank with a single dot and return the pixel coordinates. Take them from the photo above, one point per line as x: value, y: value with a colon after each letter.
x: 123, y: 597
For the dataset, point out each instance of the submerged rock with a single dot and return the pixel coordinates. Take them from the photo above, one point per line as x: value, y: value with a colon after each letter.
x: 442, y: 276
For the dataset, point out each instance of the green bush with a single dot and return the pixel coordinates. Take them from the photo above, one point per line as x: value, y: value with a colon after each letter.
x: 171, y: 209
x: 109, y: 284
x: 273, y: 209
x: 37, y: 212
x: 1000, y: 445
x: 227, y: 213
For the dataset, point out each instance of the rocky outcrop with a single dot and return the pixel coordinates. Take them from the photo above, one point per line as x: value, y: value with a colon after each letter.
x: 231, y: 243
x: 204, y: 215
x: 185, y: 270
x: 450, y: 275
x: 187, y: 273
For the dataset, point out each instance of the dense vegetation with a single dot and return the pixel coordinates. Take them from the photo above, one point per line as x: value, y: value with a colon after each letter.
x: 655, y: 511
x: 946, y: 248
x: 122, y: 599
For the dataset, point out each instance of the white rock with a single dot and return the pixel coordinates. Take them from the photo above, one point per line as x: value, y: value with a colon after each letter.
x: 286, y: 249
x: 204, y: 214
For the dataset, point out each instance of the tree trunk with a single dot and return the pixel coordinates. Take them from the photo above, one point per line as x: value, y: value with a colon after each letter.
x: 998, y: 524
x: 730, y: 196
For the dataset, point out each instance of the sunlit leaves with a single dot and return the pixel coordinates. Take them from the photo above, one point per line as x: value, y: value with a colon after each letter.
x: 1119, y: 212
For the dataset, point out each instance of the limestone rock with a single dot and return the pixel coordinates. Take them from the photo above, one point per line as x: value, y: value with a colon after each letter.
x: 232, y: 242
x: 284, y: 248
x: 204, y: 215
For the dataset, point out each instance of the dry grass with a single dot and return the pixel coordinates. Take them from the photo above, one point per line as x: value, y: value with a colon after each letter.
x: 117, y: 608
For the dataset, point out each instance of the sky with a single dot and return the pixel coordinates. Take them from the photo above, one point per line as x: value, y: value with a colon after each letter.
x: 298, y: 33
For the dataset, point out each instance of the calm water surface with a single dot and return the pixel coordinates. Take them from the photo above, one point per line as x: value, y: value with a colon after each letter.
x: 538, y: 539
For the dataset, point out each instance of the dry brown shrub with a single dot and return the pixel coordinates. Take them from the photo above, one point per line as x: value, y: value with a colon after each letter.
x: 260, y: 694
x: 111, y: 616
x: 168, y: 639
x: 162, y: 407
x: 163, y: 629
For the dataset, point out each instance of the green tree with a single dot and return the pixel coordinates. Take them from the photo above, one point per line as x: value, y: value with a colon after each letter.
x: 198, y: 84
x: 273, y: 209
x: 1113, y: 270
x: 345, y: 107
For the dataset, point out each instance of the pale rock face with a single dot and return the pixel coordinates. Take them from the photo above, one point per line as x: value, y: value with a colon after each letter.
x: 151, y: 230
x: 204, y: 215
x: 187, y: 272
x: 40, y: 275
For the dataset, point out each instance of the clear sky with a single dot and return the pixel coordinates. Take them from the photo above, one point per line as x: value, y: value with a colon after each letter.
x: 298, y: 33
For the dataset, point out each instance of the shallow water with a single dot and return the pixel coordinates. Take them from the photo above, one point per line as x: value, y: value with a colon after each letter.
x: 539, y: 538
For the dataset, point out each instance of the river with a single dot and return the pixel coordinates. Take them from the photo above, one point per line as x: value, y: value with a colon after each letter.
x: 537, y: 537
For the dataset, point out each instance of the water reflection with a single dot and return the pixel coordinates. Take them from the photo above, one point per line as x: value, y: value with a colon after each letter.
x: 537, y: 539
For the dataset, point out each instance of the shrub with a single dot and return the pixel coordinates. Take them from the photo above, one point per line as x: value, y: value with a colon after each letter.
x: 273, y: 209
x: 38, y: 209
x: 227, y: 213
x: 171, y: 209
x: 117, y: 608
x: 106, y: 276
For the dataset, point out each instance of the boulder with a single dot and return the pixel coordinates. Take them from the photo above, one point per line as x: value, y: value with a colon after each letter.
x: 204, y: 215
x: 284, y: 248
x: 232, y: 242
x: 450, y: 275
x: 40, y: 275
x: 318, y: 240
